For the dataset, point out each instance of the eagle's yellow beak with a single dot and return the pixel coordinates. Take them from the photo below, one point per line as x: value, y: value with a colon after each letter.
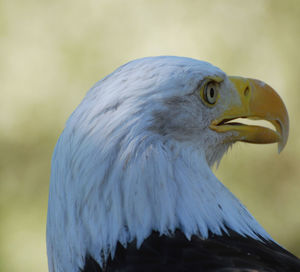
x: 260, y: 102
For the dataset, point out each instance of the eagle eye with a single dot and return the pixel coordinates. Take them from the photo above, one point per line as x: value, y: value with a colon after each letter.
x: 210, y: 93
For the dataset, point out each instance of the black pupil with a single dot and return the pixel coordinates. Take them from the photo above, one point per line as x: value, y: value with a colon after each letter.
x: 211, y: 92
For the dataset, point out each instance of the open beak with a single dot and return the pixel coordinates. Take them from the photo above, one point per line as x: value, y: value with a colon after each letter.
x: 259, y: 102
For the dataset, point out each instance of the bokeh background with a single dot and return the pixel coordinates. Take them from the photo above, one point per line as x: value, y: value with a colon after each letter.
x: 52, y: 52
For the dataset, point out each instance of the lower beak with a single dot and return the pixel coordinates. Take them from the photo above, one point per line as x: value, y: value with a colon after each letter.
x: 260, y: 102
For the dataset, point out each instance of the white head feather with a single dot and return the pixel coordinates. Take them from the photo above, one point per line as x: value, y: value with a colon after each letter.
x: 135, y: 156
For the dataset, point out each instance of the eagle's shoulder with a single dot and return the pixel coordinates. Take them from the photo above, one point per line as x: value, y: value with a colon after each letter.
x: 228, y: 252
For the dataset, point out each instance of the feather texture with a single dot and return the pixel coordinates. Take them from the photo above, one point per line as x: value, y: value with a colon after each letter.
x: 134, y: 158
x: 228, y: 252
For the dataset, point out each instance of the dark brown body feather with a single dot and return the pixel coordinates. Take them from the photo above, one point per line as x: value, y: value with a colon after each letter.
x: 223, y: 253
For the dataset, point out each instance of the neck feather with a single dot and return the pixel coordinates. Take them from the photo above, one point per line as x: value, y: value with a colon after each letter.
x: 161, y: 187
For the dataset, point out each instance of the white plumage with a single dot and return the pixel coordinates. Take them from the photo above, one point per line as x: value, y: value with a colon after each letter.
x: 134, y: 157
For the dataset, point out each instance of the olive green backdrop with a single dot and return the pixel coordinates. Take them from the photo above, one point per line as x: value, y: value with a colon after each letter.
x: 52, y: 52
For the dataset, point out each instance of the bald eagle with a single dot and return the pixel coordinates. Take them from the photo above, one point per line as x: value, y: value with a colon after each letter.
x: 131, y: 182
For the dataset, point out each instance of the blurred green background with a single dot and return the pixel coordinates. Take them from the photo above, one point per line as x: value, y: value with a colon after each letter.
x: 52, y: 52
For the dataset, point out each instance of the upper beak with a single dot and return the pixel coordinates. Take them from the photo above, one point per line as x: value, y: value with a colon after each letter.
x: 258, y: 101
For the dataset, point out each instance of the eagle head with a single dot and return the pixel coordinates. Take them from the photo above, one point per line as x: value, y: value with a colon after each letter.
x: 136, y: 156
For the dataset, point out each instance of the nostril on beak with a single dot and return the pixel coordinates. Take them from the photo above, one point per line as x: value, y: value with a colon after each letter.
x: 246, y: 92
